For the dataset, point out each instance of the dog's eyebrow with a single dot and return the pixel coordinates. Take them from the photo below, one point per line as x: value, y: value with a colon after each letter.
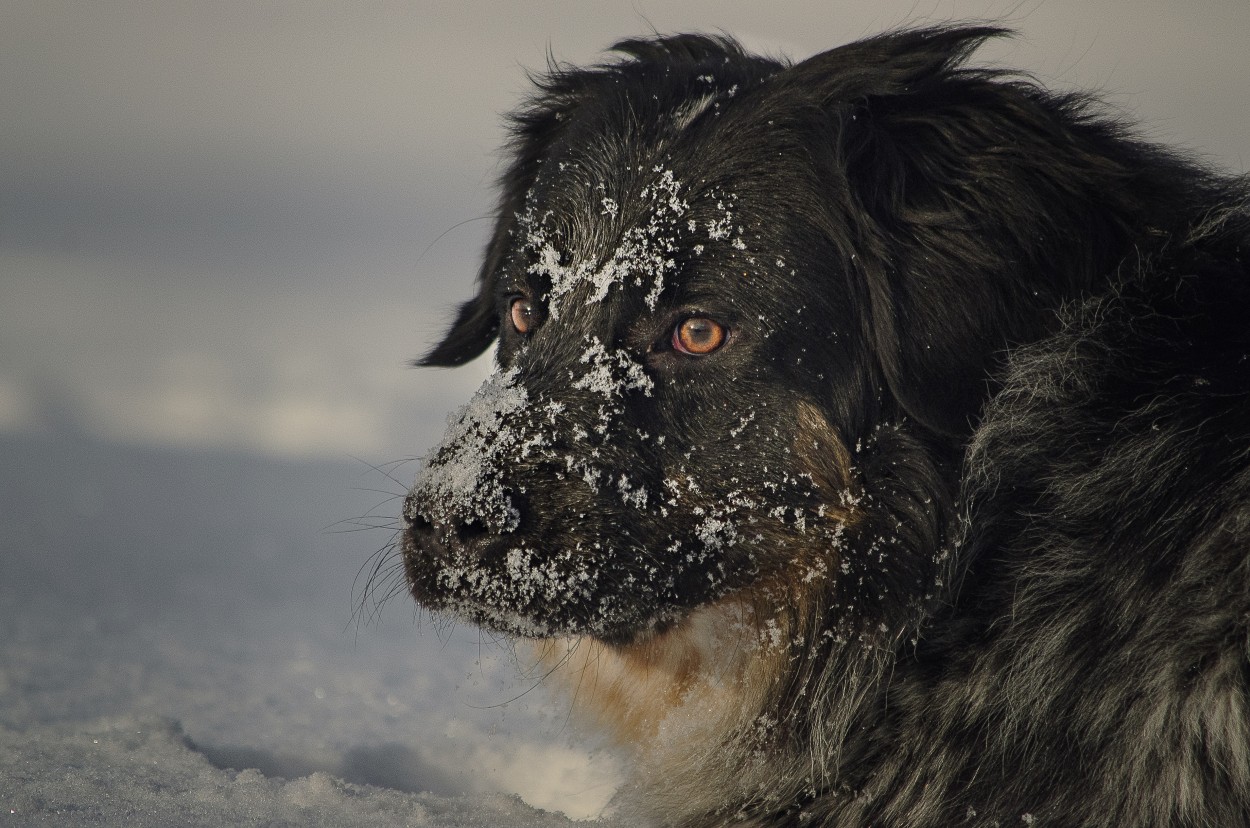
x: 690, y: 112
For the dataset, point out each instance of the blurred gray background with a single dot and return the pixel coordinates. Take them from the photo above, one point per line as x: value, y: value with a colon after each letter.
x: 228, y: 224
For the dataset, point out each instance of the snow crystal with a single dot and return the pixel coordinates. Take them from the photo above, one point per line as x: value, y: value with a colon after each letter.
x: 720, y: 229
x: 716, y: 533
x: 612, y: 373
x: 636, y: 497
x: 772, y: 633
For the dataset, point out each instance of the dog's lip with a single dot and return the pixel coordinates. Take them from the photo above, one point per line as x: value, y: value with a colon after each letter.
x: 423, y: 552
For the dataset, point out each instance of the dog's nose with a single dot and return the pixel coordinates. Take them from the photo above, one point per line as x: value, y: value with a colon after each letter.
x: 425, y: 541
x: 420, y: 530
x: 436, y: 527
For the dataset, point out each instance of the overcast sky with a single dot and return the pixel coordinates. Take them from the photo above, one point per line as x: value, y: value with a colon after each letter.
x: 229, y: 224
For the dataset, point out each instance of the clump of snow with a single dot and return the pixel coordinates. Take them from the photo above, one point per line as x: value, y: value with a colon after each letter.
x: 612, y: 373
x: 461, y: 478
x: 716, y: 533
x: 141, y: 771
x: 645, y: 251
x: 631, y: 495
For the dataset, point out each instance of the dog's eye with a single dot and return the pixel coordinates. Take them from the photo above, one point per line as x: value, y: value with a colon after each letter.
x: 698, y: 336
x: 523, y: 314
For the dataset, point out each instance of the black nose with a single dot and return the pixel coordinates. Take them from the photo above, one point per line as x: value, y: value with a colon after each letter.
x: 421, y: 536
x: 439, y: 547
x: 438, y: 530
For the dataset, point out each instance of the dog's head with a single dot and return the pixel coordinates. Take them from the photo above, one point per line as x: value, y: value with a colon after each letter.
x: 746, y: 313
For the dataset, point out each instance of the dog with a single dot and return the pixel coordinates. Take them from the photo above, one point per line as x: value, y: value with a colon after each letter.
x: 869, y: 443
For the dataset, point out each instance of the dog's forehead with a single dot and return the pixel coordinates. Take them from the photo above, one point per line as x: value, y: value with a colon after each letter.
x: 615, y: 232
x: 598, y: 234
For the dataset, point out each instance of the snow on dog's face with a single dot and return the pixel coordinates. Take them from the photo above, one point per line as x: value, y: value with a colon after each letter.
x: 655, y: 436
x: 641, y: 449
x: 740, y: 340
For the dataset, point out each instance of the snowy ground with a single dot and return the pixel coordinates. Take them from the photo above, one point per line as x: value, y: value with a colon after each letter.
x: 180, y: 646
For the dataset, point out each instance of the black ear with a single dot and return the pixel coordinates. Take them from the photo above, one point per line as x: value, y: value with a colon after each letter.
x: 477, y: 323
x: 958, y: 190
x: 474, y: 330
x: 535, y: 126
x: 890, y: 64
x: 931, y: 326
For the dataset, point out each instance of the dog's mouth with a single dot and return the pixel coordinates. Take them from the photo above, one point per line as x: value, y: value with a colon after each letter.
x: 502, y: 583
x: 562, y: 567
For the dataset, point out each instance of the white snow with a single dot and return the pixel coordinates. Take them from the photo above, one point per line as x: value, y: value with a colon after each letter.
x: 612, y: 373
x: 178, y: 646
x: 144, y: 771
x: 645, y: 250
x: 479, y: 438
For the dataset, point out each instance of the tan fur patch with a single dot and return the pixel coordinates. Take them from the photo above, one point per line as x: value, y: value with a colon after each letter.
x: 693, y: 698
x: 826, y: 458
x: 701, y: 679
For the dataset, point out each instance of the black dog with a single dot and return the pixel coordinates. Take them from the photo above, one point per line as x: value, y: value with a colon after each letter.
x: 870, y: 444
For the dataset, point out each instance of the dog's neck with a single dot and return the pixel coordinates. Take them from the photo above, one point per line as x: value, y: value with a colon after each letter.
x: 698, y: 702
x: 677, y: 700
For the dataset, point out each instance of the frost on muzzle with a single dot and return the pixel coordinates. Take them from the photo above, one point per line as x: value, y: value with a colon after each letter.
x: 506, y: 521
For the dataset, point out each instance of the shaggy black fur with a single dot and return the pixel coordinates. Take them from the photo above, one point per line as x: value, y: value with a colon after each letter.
x: 977, y: 438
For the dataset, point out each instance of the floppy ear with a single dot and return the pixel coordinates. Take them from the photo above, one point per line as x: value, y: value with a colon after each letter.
x: 534, y: 128
x: 477, y: 323
x: 475, y: 328
x: 955, y: 218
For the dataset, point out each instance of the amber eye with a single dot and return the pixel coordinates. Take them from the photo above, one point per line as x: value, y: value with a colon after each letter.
x: 698, y: 336
x: 523, y: 314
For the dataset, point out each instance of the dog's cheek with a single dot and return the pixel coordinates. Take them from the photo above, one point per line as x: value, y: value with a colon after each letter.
x: 763, y: 508
x: 800, y: 537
